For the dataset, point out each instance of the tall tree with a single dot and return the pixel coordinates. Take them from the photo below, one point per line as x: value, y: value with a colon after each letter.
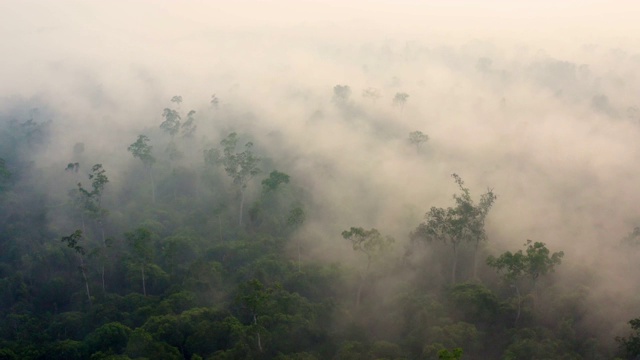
x: 73, y: 242
x: 240, y: 166
x: 92, y: 201
x: 275, y: 179
x: 630, y: 346
x: 417, y: 138
x: 189, y: 126
x: 400, y: 99
x: 475, y: 216
x: 171, y: 123
x: 341, y: 94
x: 139, y: 241
x: 457, y: 225
x: 254, y: 297
x: 5, y: 175
x: 142, y: 150
x: 535, y: 261
x: 295, y: 220
x: 373, y: 245
x: 371, y: 94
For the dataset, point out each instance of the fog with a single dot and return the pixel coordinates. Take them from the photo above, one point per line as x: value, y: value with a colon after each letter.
x: 535, y: 100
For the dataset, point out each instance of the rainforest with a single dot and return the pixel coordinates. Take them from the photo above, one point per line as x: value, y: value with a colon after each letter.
x: 313, y: 180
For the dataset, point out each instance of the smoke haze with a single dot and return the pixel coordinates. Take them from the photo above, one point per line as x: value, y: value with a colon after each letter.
x: 538, y: 101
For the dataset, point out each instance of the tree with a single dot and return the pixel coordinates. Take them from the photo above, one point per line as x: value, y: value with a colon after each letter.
x: 171, y: 123
x: 73, y: 167
x: 341, y: 94
x: 139, y: 241
x: 400, y: 99
x: 142, y: 150
x: 177, y: 99
x: 535, y: 261
x: 5, y: 175
x: 371, y: 94
x: 92, y: 202
x: 295, y: 220
x: 417, y: 138
x: 445, y: 354
x: 73, y: 242
x: 475, y: 216
x: 457, y: 225
x: 214, y: 101
x: 240, y: 166
x: 630, y: 346
x: 254, y: 297
x: 274, y: 180
x: 189, y: 127
x: 633, y: 238
x: 372, y: 244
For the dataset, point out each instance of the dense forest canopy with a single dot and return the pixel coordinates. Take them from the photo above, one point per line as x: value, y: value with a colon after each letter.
x: 387, y: 180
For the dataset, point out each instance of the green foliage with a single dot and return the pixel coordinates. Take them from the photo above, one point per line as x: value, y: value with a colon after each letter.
x: 73, y: 241
x: 240, y: 166
x: 296, y: 217
x: 142, y: 150
x: 455, y: 354
x: 171, y: 123
x: 66, y: 350
x: 91, y: 201
x: 474, y: 303
x: 109, y: 338
x: 385, y: 350
x: 630, y: 345
x: 370, y: 242
x: 460, y: 334
x: 142, y: 345
x: 140, y: 242
x: 534, y: 262
x: 189, y: 126
x: 457, y: 225
x: 535, y: 343
x: 274, y: 180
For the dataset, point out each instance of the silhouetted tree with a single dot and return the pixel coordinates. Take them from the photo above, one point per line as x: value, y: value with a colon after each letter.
x: 535, y: 261
x: 142, y: 150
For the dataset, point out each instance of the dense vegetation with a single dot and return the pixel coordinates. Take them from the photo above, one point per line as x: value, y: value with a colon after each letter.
x: 192, y: 249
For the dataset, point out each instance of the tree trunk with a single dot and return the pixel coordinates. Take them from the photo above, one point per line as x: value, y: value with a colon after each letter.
x: 359, y: 294
x: 144, y: 285
x: 255, y: 322
x: 519, y: 304
x: 86, y: 282
x: 241, y: 204
x: 475, y: 261
x: 455, y: 264
x: 220, y: 226
x: 298, y: 254
x: 153, y: 186
x: 104, y: 255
